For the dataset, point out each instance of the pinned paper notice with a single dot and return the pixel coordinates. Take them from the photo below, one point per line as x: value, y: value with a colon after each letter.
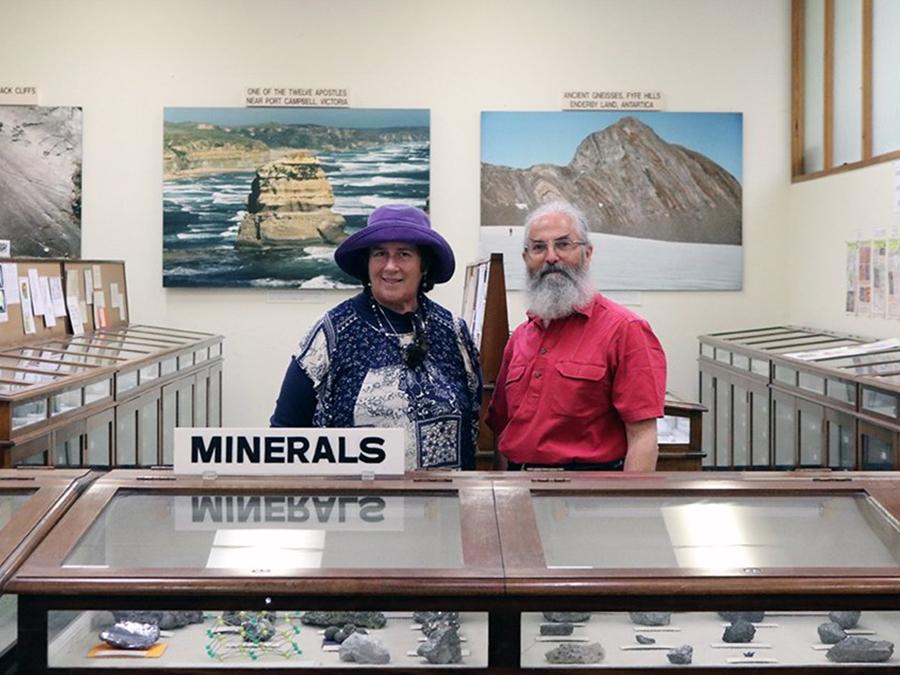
x: 88, y: 286
x: 100, y: 318
x: 10, y: 272
x: 75, y: 316
x: 98, y: 279
x: 4, y: 315
x: 49, y: 314
x: 36, y: 293
x: 27, y: 315
x: 56, y: 296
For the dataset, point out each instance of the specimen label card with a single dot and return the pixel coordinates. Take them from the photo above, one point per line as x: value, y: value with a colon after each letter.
x: 14, y: 94
x: 297, y: 97
x: 290, y: 451
x: 637, y: 99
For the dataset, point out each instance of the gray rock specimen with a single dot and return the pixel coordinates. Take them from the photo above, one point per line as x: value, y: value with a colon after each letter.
x: 681, y: 656
x: 557, y: 628
x: 430, y: 627
x: 325, y: 619
x: 238, y: 618
x: 644, y: 640
x: 751, y: 617
x: 855, y: 649
x: 572, y: 652
x: 442, y: 646
x: 831, y: 633
x: 257, y: 629
x: 343, y: 632
x: 739, y: 631
x: 845, y: 619
x: 166, y: 620
x: 330, y: 632
x: 131, y: 635
x: 431, y: 617
x: 360, y: 648
x: 651, y: 618
x: 567, y: 617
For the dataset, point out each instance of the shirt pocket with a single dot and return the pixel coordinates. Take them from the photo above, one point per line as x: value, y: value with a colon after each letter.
x: 580, y: 390
x: 515, y: 385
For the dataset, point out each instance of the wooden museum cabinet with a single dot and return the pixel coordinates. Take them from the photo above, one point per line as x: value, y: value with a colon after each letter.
x: 786, y: 397
x: 500, y: 549
x: 105, y: 392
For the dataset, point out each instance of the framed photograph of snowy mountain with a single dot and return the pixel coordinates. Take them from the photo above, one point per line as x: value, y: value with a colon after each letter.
x: 261, y: 197
x: 40, y: 180
x: 661, y: 192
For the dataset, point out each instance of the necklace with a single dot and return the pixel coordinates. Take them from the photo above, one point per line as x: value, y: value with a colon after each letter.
x: 414, y: 353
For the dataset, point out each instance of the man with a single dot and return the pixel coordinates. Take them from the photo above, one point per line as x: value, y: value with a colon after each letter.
x: 583, y: 379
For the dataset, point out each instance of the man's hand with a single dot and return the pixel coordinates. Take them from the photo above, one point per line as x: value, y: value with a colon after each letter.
x: 642, y: 448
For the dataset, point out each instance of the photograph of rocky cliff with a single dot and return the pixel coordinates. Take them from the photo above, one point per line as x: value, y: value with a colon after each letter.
x: 261, y: 197
x: 40, y: 180
x: 661, y: 192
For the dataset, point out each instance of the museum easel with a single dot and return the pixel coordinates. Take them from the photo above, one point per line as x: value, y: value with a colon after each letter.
x: 484, y: 309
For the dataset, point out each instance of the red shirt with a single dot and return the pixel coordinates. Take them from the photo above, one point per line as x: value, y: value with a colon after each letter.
x: 565, y: 391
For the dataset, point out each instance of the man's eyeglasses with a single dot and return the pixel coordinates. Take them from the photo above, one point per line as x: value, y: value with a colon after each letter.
x: 538, y: 247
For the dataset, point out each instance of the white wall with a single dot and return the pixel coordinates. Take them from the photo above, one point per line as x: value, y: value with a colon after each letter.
x: 825, y: 214
x: 123, y: 61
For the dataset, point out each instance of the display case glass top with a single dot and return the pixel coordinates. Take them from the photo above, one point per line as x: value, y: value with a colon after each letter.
x: 284, y: 531
x: 710, y: 534
x: 132, y: 526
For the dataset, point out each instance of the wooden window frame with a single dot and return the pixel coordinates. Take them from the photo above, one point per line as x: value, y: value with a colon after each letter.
x: 798, y: 25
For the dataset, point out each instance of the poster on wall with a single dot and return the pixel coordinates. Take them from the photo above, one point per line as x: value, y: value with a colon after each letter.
x: 262, y: 197
x: 661, y: 192
x: 851, y: 270
x: 40, y: 180
x: 864, y: 280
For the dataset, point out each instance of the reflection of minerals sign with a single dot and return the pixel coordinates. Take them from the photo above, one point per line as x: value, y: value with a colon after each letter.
x: 317, y: 452
x: 308, y: 512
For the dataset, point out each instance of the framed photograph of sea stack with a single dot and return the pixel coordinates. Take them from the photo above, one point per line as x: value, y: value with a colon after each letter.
x: 40, y: 180
x: 261, y: 197
x: 661, y: 192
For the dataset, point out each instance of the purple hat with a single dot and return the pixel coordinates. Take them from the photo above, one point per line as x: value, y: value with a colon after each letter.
x: 395, y: 222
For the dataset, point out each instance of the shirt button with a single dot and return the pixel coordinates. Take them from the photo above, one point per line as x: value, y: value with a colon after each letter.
x: 543, y: 350
x: 538, y: 375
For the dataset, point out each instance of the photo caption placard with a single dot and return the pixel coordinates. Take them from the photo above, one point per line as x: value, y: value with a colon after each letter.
x: 296, y: 97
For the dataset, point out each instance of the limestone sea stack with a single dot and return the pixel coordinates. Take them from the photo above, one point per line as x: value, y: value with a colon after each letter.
x: 290, y: 205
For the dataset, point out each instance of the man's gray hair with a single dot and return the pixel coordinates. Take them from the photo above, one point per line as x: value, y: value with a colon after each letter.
x: 559, y: 206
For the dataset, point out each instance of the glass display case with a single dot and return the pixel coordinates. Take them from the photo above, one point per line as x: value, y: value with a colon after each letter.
x: 539, y: 570
x: 711, y: 571
x: 802, y: 404
x: 31, y: 500
x: 209, y: 550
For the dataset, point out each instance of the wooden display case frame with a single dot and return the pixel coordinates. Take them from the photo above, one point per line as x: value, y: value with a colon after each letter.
x: 505, y: 572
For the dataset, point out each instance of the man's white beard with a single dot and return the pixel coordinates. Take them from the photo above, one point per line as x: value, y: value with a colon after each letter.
x: 557, y: 294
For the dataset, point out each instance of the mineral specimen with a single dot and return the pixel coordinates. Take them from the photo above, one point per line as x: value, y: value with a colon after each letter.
x: 366, y: 619
x: 681, y: 656
x: 831, y: 633
x: 845, y: 619
x: 360, y: 648
x: 346, y: 631
x: 857, y: 649
x: 238, y: 618
x: 166, y: 620
x: 567, y: 617
x: 430, y: 617
x: 750, y: 617
x: 442, y: 646
x: 644, y: 640
x: 257, y: 629
x: 330, y: 632
x: 556, y: 628
x: 739, y: 631
x: 651, y: 618
x: 570, y: 652
x: 131, y: 635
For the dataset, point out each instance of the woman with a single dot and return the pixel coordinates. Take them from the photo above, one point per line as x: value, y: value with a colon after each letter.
x: 389, y: 356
